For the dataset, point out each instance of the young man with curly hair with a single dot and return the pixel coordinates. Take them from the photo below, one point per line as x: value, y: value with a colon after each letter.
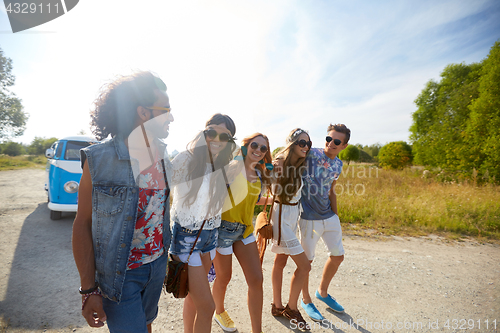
x: 121, y: 233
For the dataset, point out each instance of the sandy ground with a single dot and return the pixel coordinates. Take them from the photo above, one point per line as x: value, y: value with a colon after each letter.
x: 386, y: 284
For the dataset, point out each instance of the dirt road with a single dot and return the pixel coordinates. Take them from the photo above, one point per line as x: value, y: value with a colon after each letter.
x: 385, y: 284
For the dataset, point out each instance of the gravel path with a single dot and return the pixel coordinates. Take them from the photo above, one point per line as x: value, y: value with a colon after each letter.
x: 386, y: 284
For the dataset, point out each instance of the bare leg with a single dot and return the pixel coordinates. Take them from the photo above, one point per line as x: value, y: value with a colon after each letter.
x: 306, y: 297
x: 248, y: 257
x: 199, y: 305
x: 277, y: 278
x: 223, y: 266
x: 331, y: 266
x: 299, y: 277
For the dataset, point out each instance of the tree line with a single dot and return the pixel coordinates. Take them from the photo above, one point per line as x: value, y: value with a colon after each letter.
x: 457, y: 124
x: 456, y: 127
x: 36, y: 147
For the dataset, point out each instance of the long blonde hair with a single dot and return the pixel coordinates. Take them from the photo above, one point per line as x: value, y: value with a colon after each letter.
x: 291, y: 173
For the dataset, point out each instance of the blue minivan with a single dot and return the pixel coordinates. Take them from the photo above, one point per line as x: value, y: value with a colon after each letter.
x: 63, y: 174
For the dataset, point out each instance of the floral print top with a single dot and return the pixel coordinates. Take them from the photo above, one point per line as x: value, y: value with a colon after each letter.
x: 147, y: 243
x: 318, y: 179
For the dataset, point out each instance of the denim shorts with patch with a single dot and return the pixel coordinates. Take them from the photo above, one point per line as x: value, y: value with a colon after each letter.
x: 230, y: 232
x: 183, y: 239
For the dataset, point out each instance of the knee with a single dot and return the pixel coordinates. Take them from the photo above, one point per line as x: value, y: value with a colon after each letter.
x: 223, y: 278
x: 337, y: 260
x: 255, y: 280
x: 304, y: 269
x: 206, y: 309
x: 280, y: 262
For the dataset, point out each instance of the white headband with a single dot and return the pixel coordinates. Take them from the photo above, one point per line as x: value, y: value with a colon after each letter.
x: 295, y: 135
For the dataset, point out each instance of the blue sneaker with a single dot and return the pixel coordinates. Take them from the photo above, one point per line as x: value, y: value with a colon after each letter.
x: 311, y: 311
x: 331, y: 302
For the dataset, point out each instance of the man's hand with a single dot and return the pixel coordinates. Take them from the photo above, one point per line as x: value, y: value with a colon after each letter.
x: 93, y: 311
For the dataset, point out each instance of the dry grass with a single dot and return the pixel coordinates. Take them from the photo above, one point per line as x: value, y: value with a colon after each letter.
x: 405, y: 203
x: 21, y: 162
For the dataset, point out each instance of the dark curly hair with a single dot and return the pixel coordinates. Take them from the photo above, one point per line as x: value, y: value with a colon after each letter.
x: 115, y: 108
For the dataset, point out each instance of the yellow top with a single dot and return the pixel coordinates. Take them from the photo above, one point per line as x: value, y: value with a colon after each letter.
x: 245, y: 195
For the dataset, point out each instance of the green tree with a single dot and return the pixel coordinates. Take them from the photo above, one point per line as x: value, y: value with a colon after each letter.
x: 395, y: 155
x: 365, y: 157
x: 373, y: 149
x: 483, y: 130
x: 439, y: 124
x: 12, y: 117
x: 39, y: 145
x: 349, y: 154
x: 275, y: 151
x: 13, y: 149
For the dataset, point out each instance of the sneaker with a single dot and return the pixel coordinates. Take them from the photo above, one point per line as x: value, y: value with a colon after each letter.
x: 276, y: 312
x: 297, y: 318
x: 225, y: 322
x: 311, y: 311
x: 331, y: 302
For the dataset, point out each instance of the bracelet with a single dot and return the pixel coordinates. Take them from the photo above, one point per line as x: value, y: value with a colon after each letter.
x: 86, y: 296
x: 83, y: 292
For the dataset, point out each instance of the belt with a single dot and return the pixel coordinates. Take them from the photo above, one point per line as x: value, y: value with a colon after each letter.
x: 287, y: 204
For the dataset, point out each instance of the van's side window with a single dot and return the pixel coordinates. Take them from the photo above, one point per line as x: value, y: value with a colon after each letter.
x: 73, y: 150
x: 59, y: 149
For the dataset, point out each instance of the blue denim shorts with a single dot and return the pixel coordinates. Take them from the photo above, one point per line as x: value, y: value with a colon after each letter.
x: 230, y: 232
x: 183, y: 239
x: 140, y: 295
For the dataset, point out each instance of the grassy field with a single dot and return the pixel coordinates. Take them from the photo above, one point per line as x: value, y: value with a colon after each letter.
x: 20, y: 162
x: 404, y: 202
x: 392, y: 202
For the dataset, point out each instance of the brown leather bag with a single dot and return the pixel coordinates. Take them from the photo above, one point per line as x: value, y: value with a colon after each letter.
x: 264, y: 229
x: 263, y: 224
x: 176, y: 280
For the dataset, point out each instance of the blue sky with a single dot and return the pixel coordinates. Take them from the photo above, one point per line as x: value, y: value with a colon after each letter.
x: 271, y: 66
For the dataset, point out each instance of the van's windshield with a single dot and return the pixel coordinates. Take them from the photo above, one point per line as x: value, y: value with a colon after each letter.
x: 72, y: 152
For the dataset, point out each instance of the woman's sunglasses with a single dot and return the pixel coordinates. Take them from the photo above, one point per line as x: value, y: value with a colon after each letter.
x: 302, y: 143
x: 336, y: 141
x: 255, y: 146
x: 212, y: 134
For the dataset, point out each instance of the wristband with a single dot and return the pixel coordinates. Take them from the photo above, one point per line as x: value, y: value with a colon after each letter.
x: 83, y: 292
x: 86, y: 296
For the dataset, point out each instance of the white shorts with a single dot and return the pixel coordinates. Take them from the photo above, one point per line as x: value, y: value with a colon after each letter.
x: 312, y: 230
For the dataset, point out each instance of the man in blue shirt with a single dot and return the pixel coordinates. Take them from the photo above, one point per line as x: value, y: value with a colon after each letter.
x: 319, y: 217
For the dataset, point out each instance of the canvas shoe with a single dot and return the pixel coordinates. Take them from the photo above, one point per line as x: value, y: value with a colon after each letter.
x: 331, y: 302
x: 225, y: 322
x: 311, y: 311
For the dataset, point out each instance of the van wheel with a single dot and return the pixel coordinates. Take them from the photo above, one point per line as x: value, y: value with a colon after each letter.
x: 55, y: 215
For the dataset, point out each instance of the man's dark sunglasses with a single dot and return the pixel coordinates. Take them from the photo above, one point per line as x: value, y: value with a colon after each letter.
x: 255, y: 145
x: 212, y: 134
x: 336, y: 141
x: 302, y: 143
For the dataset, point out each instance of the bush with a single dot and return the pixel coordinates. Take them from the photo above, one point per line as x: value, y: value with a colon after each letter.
x: 364, y: 157
x: 349, y: 154
x: 39, y: 145
x: 13, y: 149
x: 395, y: 155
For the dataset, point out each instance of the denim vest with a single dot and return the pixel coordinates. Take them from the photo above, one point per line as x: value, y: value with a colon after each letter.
x: 115, y: 197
